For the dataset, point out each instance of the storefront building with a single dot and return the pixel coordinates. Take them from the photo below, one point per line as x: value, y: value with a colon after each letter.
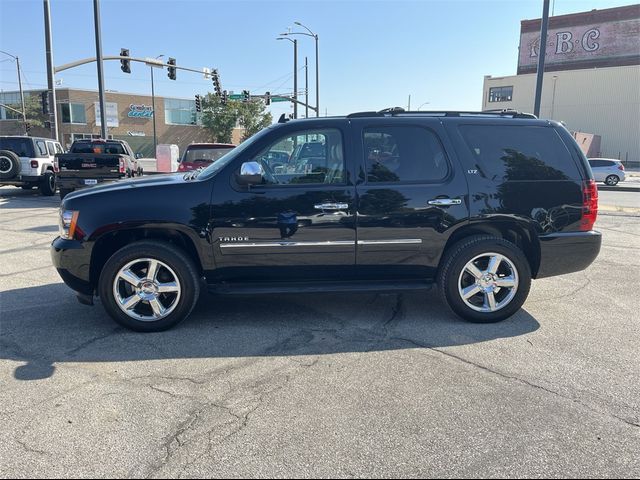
x: 591, y: 79
x: 129, y: 117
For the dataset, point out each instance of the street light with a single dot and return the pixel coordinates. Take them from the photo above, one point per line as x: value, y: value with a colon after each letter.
x: 315, y: 36
x: 24, y: 112
x: 425, y: 103
x: 295, y: 74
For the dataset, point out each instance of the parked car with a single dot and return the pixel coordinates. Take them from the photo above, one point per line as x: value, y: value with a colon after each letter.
x: 27, y: 162
x: 480, y: 204
x: 200, y: 155
x: 90, y: 162
x: 607, y: 170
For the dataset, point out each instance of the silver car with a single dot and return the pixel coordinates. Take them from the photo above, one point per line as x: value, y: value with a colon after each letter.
x: 607, y: 170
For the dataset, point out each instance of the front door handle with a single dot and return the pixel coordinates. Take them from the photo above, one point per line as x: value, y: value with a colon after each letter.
x: 445, y: 201
x: 331, y: 206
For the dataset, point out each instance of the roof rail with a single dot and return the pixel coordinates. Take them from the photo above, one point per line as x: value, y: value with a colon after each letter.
x: 396, y: 111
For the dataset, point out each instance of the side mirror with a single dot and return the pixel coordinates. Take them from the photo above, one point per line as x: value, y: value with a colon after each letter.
x: 138, y: 155
x: 251, y: 173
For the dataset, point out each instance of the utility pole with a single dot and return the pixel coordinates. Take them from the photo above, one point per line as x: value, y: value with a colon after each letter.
x: 306, y: 88
x: 51, y: 86
x: 409, y: 104
x: 542, y: 51
x: 103, y: 110
x: 295, y: 77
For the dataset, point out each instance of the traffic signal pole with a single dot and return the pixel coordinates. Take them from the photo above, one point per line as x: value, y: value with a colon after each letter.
x: 51, y: 86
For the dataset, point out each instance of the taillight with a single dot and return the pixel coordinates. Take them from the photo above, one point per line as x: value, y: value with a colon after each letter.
x: 122, y: 167
x: 34, y: 164
x: 56, y: 165
x: 621, y: 167
x: 589, y: 205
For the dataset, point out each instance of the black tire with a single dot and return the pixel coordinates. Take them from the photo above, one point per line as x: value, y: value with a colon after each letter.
x: 185, y: 271
x: 9, y: 165
x: 451, y: 275
x: 48, y: 184
x: 64, y: 192
x: 612, y: 180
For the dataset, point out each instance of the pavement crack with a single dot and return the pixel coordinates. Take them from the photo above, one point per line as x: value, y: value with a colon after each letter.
x: 91, y: 341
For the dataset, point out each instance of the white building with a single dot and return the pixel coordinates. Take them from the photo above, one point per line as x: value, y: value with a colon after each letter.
x: 591, y: 80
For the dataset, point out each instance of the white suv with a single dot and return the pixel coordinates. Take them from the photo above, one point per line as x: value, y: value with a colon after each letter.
x: 607, y: 170
x: 27, y: 162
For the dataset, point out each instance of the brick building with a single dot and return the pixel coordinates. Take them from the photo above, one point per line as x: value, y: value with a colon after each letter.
x: 129, y: 117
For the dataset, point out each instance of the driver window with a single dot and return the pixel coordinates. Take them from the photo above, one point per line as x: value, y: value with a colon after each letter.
x: 306, y: 157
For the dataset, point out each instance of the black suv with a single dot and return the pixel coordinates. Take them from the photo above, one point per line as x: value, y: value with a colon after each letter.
x: 480, y: 203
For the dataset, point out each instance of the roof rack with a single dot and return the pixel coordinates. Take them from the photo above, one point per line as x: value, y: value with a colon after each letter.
x: 396, y: 111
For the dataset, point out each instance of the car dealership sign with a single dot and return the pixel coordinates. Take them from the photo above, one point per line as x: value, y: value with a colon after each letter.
x: 600, y: 38
x: 140, y: 111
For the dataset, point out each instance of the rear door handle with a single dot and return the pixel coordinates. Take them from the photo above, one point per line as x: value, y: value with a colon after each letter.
x: 445, y: 201
x: 331, y: 206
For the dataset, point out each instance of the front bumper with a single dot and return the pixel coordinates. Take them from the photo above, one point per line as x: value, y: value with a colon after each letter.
x: 562, y: 253
x: 72, y: 259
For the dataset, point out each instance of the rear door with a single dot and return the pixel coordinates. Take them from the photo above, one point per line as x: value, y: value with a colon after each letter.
x: 411, y: 193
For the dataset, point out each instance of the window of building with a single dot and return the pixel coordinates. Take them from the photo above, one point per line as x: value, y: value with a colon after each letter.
x: 73, y: 113
x: 500, y: 94
x: 83, y: 136
x: 179, y: 112
x: 307, y: 157
x: 403, y: 154
x: 13, y: 100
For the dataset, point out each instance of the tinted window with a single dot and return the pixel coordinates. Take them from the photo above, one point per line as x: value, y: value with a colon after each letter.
x: 310, y: 156
x: 204, y: 154
x: 51, y: 148
x: 597, y: 163
x: 23, y: 147
x: 403, y: 154
x: 500, y: 94
x: 511, y: 152
x: 98, y: 148
x: 42, y: 148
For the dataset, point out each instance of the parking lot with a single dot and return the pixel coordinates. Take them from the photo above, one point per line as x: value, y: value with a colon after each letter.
x: 320, y: 385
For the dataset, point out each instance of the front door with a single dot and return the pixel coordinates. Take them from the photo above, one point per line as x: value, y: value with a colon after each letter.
x: 300, y: 222
x: 410, y: 194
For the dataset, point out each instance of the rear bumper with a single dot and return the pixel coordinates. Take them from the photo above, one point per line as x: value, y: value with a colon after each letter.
x: 74, y: 183
x: 72, y: 260
x: 562, y: 253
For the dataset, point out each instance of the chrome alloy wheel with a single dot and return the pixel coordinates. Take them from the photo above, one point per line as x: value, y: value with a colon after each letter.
x: 147, y: 289
x: 488, y: 282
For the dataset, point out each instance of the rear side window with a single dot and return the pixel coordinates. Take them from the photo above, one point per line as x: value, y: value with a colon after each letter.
x: 51, y: 148
x: 42, y: 148
x: 407, y: 154
x: 513, y: 152
x: 23, y: 147
x: 598, y: 163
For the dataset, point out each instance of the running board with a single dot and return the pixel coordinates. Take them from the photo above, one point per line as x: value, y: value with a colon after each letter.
x: 313, y: 287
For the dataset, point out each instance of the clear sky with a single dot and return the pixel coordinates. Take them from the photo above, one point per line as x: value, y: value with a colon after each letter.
x: 372, y: 54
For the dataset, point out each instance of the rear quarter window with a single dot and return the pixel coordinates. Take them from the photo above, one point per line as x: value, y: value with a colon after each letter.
x: 516, y: 152
x: 41, y: 148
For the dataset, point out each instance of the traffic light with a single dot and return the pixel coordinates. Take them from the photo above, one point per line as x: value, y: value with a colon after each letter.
x: 267, y: 98
x: 125, y: 64
x: 44, y: 96
x: 198, y: 104
x: 224, y: 97
x: 215, y: 76
x: 246, y: 96
x: 27, y: 127
x: 172, y: 69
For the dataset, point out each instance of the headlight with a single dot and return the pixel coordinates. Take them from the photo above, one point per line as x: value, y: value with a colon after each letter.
x: 68, y: 223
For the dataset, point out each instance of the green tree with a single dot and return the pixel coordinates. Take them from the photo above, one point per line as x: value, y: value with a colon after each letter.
x: 33, y: 107
x: 219, y: 119
x: 253, y: 117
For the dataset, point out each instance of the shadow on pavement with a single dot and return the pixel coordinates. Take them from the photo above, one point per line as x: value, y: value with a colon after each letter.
x: 16, y: 197
x: 45, y: 325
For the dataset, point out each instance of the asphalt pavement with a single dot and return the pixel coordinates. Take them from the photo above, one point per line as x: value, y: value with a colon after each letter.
x: 319, y: 385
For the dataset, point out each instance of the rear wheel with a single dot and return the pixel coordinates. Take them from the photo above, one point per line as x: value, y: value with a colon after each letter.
x: 48, y: 184
x: 484, y: 279
x: 612, y: 180
x: 149, y: 286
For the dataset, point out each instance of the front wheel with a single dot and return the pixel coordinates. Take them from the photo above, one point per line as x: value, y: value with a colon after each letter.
x: 48, y: 184
x: 612, y: 180
x: 149, y: 286
x: 484, y: 279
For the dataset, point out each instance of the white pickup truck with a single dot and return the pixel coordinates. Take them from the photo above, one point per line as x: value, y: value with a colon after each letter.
x: 27, y: 162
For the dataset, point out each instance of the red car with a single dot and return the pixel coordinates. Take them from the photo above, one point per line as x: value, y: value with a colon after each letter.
x: 199, y: 155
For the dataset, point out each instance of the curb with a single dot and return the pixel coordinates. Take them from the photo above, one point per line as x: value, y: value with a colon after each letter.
x: 605, y: 188
x: 613, y: 208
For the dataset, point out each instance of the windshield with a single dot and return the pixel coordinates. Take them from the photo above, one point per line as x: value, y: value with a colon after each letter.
x: 216, y: 166
x: 205, y: 154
